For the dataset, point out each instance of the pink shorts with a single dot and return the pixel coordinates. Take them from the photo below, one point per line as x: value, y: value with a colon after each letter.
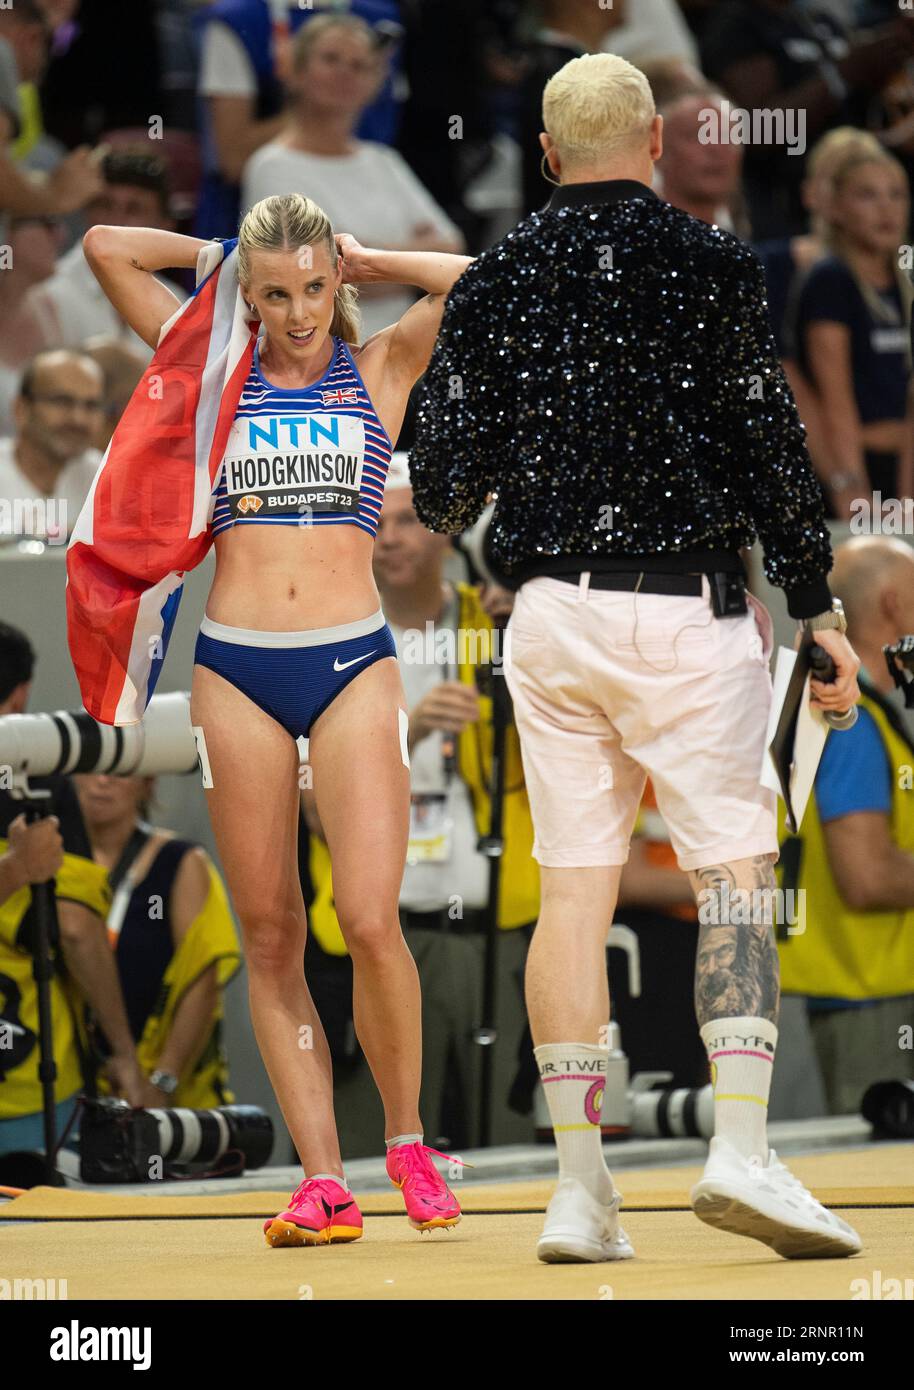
x: 609, y: 686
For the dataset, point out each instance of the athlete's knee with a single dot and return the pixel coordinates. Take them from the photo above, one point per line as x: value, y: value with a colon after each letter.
x: 369, y: 932
x: 274, y: 936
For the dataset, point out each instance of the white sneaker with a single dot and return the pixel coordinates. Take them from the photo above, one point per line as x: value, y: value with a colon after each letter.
x: 767, y: 1203
x: 579, y: 1228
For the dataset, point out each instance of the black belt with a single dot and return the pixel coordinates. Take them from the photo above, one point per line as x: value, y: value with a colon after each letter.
x: 649, y: 583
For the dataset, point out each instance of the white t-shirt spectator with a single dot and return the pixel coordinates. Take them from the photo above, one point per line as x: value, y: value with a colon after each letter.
x: 82, y: 308
x: 55, y: 516
x: 225, y: 68
x: 372, y: 194
x: 653, y: 29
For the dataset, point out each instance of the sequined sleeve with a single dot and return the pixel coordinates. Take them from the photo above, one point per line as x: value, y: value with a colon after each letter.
x: 464, y: 420
x: 768, y: 448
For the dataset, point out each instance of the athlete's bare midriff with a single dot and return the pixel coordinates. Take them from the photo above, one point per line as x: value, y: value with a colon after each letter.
x: 291, y: 578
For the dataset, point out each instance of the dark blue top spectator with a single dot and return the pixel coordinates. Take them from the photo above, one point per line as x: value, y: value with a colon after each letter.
x: 242, y: 94
x: 878, y: 349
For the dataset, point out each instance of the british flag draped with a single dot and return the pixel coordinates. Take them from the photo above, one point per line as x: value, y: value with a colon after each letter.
x: 145, y: 522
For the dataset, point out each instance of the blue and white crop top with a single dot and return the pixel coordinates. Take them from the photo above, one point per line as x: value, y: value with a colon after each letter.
x: 315, y: 455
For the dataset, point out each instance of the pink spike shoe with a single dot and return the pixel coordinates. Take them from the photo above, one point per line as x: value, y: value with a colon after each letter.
x: 320, y: 1211
x: 429, y: 1201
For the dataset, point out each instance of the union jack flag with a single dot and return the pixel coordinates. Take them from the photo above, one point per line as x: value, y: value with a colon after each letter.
x: 341, y: 395
x: 146, y: 520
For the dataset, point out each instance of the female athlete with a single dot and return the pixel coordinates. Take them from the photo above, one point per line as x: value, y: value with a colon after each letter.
x: 294, y: 646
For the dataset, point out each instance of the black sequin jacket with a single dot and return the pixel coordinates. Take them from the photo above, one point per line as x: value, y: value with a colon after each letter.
x: 608, y: 372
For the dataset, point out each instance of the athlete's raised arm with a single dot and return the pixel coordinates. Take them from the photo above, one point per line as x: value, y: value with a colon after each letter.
x: 407, y: 344
x: 123, y: 261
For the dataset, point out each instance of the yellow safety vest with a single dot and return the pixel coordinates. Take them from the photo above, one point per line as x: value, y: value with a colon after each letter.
x: 844, y: 953
x: 519, y: 890
x: 78, y: 880
x: 209, y: 940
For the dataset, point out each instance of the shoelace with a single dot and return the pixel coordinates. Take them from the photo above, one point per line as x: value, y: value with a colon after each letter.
x: 781, y: 1173
x: 319, y: 1188
x: 427, y: 1181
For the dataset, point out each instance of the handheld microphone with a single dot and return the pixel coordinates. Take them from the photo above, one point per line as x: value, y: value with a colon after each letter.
x: 823, y: 668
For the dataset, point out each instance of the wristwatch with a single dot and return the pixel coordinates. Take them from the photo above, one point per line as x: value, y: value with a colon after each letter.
x: 164, y: 1081
x: 833, y: 619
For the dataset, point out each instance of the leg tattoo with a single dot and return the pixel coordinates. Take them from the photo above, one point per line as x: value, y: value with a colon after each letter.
x: 736, y: 964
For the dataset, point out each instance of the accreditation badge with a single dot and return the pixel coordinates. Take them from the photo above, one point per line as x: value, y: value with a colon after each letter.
x: 431, y: 829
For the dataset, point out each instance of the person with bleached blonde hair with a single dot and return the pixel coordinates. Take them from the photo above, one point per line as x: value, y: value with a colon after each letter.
x: 623, y: 402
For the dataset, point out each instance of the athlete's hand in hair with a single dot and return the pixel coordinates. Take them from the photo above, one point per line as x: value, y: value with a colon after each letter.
x: 36, y: 849
x: 450, y: 707
x: 357, y: 269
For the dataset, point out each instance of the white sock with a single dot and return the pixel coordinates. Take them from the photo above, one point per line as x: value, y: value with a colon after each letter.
x: 573, y: 1077
x: 402, y: 1139
x: 332, y: 1177
x: 741, y: 1054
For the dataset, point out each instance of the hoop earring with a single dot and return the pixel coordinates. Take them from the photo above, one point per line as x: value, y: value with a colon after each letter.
x: 548, y: 177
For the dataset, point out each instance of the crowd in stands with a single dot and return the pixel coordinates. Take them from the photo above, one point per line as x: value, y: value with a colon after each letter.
x: 414, y: 124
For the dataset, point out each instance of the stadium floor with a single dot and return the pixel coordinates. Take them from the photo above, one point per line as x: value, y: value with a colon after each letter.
x: 112, y: 1246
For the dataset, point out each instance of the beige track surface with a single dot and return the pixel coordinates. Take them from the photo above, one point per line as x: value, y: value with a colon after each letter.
x: 488, y: 1256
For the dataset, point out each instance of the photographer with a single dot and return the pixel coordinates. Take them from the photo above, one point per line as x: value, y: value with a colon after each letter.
x: 854, y: 855
x: 173, y: 938
x: 55, y: 847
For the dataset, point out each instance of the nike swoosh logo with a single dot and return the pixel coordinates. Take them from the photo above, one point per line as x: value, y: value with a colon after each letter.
x: 341, y: 665
x: 334, y: 1211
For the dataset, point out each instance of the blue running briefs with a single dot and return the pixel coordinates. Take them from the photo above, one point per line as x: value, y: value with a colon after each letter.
x: 293, y: 676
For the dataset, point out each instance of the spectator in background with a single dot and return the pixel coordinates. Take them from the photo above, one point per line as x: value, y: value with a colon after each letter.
x: 702, y: 178
x: 243, y: 61
x: 105, y: 70
x: 28, y: 325
x: 652, y: 30
x: 364, y: 187
x: 23, y: 53
x: 51, y: 459
x: 853, y: 332
x: 698, y: 14
x: 566, y: 29
x: 170, y: 927
x: 787, y: 260
x: 853, y: 860
x: 123, y: 370
x: 134, y: 194
x: 785, y: 56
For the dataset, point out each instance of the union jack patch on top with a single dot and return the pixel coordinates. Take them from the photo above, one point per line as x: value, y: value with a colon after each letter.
x: 341, y: 395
